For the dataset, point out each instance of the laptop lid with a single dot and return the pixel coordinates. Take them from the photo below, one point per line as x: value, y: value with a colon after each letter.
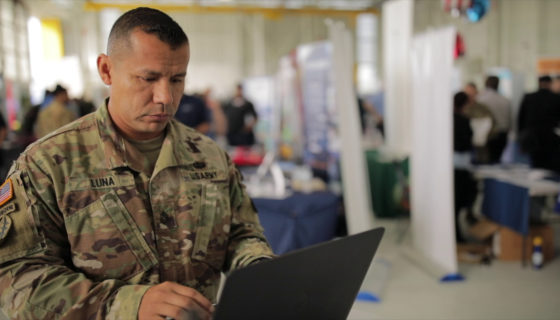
x: 317, y: 282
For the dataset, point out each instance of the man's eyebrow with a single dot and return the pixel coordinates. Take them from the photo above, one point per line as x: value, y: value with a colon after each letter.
x: 158, y: 74
x: 149, y: 73
x: 182, y: 74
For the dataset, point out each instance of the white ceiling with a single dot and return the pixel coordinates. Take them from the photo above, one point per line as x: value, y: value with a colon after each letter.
x: 69, y: 8
x: 338, y: 4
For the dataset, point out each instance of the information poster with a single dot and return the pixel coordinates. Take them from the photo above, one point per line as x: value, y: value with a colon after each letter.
x: 321, y: 146
x: 260, y: 91
x: 289, y: 108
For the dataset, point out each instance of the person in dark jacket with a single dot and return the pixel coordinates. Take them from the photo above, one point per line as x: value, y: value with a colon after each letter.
x: 464, y: 183
x: 538, y: 126
x: 462, y: 131
x: 242, y: 118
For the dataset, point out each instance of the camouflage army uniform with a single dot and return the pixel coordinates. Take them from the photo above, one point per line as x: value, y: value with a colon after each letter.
x: 91, y: 231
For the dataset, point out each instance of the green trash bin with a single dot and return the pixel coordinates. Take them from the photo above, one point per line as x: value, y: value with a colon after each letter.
x: 389, y: 185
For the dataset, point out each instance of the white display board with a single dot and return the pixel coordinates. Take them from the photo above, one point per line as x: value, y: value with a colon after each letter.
x: 359, y: 216
x: 397, y: 36
x: 260, y: 91
x: 432, y: 195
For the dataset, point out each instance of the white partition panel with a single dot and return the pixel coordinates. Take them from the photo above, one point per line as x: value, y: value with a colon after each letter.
x: 432, y: 194
x: 397, y: 36
x: 359, y: 216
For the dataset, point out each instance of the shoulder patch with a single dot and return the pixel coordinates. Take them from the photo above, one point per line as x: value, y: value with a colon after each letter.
x: 5, y: 224
x: 19, y: 231
x: 6, y: 191
x: 8, y: 208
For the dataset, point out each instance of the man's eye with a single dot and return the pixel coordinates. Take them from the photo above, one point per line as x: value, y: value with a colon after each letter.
x: 177, y: 80
x: 148, y: 79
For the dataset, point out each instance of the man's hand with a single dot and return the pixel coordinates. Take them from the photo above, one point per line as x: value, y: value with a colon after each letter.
x: 172, y: 300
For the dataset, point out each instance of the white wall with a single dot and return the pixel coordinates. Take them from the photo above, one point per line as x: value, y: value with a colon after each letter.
x: 228, y: 47
x: 513, y: 34
x: 225, y: 48
x: 217, y: 50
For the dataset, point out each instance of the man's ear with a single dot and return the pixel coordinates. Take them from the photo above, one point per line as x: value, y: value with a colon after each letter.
x: 104, y: 68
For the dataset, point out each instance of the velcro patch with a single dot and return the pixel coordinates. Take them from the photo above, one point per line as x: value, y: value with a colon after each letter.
x: 5, y: 224
x: 8, y: 208
x: 6, y: 192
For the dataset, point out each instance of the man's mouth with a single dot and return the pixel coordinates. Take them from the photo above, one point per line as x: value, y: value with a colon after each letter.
x: 158, y: 117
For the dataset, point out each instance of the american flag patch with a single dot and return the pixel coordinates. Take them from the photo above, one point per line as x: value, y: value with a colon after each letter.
x: 6, y: 192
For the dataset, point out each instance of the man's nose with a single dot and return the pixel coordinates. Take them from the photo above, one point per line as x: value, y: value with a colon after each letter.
x: 162, y: 93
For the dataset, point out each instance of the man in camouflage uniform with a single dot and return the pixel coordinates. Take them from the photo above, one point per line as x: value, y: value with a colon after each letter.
x: 126, y: 213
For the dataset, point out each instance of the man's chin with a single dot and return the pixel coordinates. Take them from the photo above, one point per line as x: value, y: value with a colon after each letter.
x: 152, y: 131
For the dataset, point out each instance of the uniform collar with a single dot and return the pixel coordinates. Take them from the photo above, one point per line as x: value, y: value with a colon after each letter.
x: 181, y: 147
x: 111, y: 142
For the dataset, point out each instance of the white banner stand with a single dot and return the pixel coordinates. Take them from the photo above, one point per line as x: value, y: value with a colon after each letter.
x: 359, y: 215
x: 397, y: 19
x: 432, y: 194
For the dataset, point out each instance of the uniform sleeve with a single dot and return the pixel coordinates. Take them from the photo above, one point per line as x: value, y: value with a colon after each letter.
x: 37, y: 279
x: 247, y: 242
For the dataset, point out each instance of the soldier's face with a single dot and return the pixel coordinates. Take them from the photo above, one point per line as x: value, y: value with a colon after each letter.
x: 147, y: 81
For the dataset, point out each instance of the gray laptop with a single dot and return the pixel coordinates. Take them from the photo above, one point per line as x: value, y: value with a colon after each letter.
x: 318, y: 282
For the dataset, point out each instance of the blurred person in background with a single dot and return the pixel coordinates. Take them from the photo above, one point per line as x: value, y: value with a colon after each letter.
x: 482, y: 124
x: 464, y: 183
x: 47, y: 99
x: 193, y: 113
x: 26, y: 133
x: 242, y: 118
x: 367, y: 109
x: 218, y: 121
x: 3, y: 130
x: 3, y: 135
x: 84, y: 107
x: 126, y: 213
x: 462, y: 131
x: 54, y: 115
x: 538, y: 126
x: 500, y: 107
x: 555, y: 87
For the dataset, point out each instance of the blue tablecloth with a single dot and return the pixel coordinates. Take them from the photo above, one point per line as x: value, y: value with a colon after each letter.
x: 507, y: 204
x: 299, y: 220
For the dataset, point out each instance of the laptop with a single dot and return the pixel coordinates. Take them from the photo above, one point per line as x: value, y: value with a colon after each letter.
x: 317, y: 282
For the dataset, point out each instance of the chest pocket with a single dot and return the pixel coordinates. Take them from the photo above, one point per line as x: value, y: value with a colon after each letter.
x: 105, y: 241
x: 212, y: 230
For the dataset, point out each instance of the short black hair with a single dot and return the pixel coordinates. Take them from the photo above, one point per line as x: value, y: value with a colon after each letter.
x: 545, y: 79
x: 460, y: 99
x: 150, y: 21
x: 59, y: 89
x: 492, y: 82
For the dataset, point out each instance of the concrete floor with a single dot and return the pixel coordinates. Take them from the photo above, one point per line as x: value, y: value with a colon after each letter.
x: 502, y: 290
